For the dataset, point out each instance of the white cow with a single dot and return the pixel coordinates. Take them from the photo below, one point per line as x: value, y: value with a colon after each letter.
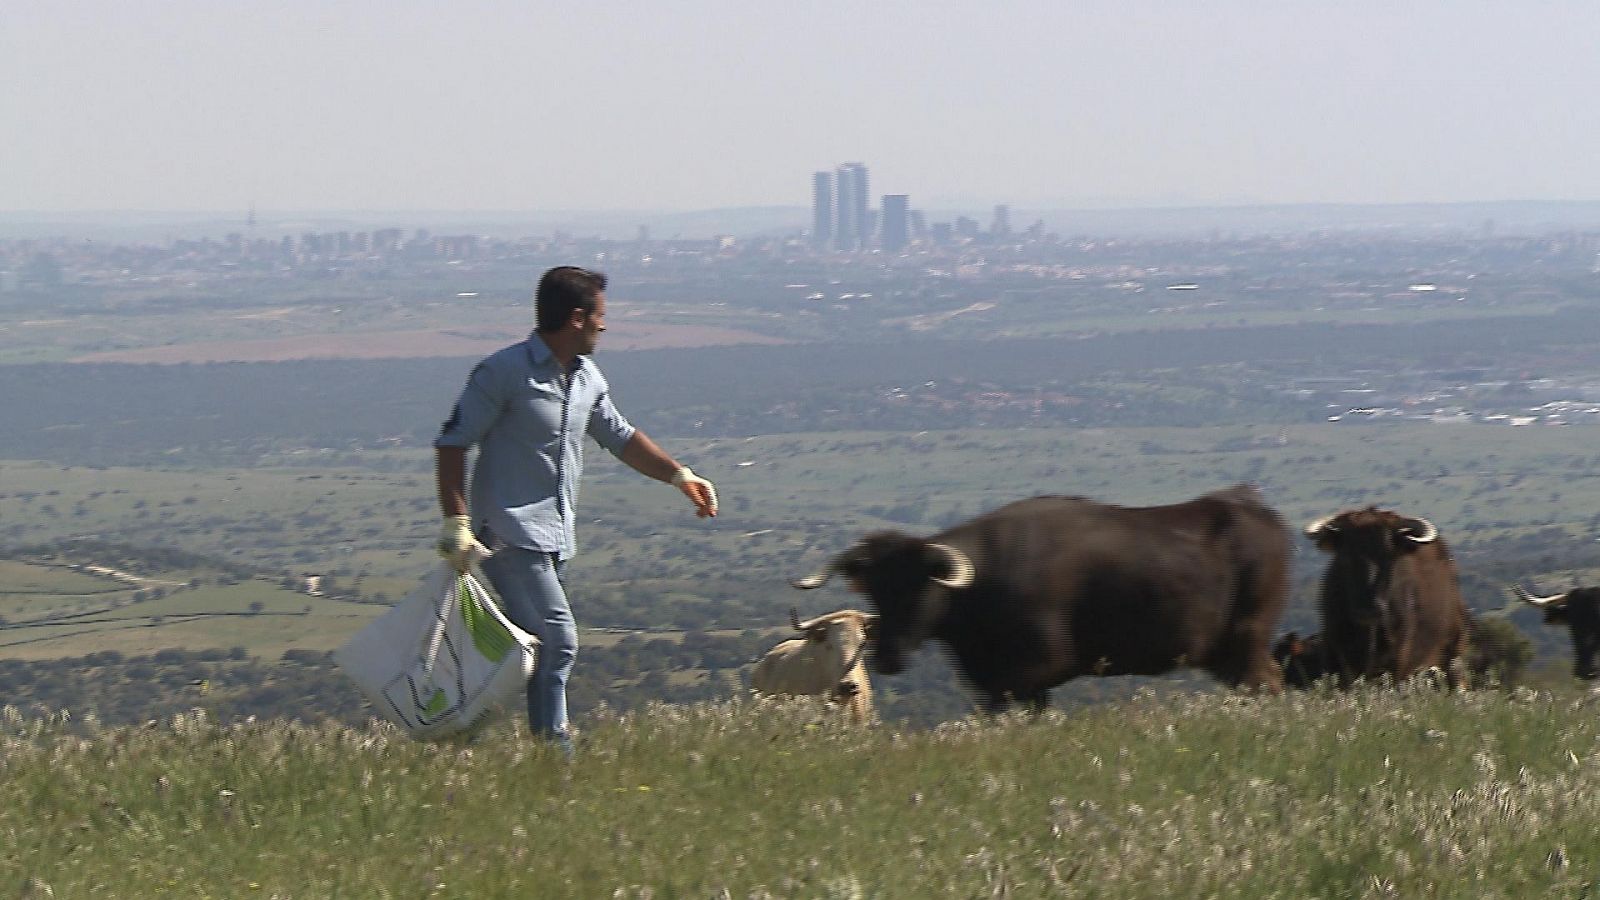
x: 824, y: 661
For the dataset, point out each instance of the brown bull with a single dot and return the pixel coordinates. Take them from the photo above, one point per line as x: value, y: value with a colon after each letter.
x: 824, y: 661
x: 1391, y: 602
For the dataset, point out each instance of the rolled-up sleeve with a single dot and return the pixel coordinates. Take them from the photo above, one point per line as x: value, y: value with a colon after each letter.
x: 607, y: 426
x: 480, y: 404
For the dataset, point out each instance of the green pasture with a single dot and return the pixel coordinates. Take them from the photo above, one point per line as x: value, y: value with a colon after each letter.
x: 1379, y: 792
x: 52, y: 612
x: 266, y: 516
x: 27, y: 585
x: 258, y: 615
x: 32, y: 592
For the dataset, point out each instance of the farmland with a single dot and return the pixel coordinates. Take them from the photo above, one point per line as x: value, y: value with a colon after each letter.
x: 1510, y: 508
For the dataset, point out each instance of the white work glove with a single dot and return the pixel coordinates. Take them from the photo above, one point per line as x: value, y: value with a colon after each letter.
x: 457, y: 545
x: 701, y: 491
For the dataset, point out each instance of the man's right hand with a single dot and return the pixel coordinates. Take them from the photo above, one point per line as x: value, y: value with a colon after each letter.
x: 456, y: 543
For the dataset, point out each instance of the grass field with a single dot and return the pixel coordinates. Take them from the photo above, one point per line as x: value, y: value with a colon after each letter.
x: 261, y: 616
x: 1374, y: 793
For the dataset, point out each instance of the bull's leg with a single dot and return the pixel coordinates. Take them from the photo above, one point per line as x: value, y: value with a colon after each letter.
x: 1262, y: 675
x: 861, y: 707
x: 1243, y: 661
x: 1258, y: 604
x: 1455, y: 663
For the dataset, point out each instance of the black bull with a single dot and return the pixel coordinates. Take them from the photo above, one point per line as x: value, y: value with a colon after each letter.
x: 1579, y: 610
x: 1044, y: 590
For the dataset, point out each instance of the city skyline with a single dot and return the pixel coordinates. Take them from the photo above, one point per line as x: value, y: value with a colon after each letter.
x: 843, y: 220
x: 489, y: 105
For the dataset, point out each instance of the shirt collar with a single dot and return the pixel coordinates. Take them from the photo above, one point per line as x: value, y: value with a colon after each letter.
x: 542, y: 355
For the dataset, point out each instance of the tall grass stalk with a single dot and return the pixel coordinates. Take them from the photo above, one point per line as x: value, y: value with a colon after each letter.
x: 1406, y: 792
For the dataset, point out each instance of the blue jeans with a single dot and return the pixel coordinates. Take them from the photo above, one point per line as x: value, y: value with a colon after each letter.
x: 529, y: 584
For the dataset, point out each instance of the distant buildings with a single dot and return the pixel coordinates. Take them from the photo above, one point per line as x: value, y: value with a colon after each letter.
x: 1001, y: 226
x: 895, y: 234
x: 822, y: 210
x: 842, y: 221
x: 840, y: 218
x: 850, y: 230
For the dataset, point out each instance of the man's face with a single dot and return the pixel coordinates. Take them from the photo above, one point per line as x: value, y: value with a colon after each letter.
x: 591, y: 325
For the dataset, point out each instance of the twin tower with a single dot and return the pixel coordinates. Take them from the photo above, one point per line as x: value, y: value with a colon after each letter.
x: 842, y: 220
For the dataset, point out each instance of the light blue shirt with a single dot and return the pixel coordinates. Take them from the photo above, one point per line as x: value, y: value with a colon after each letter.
x: 528, y: 427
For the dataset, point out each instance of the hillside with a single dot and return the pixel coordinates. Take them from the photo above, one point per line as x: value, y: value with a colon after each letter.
x: 1374, y: 793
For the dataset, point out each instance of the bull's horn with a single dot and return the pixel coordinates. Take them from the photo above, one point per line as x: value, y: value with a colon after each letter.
x: 811, y: 582
x: 794, y: 619
x: 1428, y: 535
x: 1554, y: 600
x: 1320, y: 525
x: 961, y: 570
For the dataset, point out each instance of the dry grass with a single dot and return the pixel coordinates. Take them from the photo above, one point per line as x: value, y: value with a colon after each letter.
x: 1405, y: 793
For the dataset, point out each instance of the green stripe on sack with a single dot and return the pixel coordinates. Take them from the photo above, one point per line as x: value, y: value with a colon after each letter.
x: 436, y: 703
x: 492, y: 639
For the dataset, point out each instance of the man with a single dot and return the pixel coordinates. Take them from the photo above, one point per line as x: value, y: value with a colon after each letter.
x: 526, y: 408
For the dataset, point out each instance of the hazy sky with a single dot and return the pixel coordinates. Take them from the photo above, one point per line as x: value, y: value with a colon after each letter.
x: 476, y: 105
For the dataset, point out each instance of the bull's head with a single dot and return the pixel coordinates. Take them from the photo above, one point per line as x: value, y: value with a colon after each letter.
x: 1371, y: 532
x: 1554, y: 606
x: 849, y: 631
x: 1365, y: 545
x: 907, y: 579
x: 1579, y: 610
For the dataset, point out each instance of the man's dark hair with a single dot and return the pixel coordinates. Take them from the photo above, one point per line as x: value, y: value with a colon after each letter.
x: 562, y: 290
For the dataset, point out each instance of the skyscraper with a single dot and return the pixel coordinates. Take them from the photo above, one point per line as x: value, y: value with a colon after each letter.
x: 1002, y: 221
x: 822, y: 209
x: 863, y: 219
x: 850, y: 206
x: 895, y: 231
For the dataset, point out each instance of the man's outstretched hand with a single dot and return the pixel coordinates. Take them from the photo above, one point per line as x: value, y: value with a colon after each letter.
x: 701, y: 491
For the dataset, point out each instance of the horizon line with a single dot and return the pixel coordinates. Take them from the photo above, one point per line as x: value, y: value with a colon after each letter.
x: 774, y: 207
